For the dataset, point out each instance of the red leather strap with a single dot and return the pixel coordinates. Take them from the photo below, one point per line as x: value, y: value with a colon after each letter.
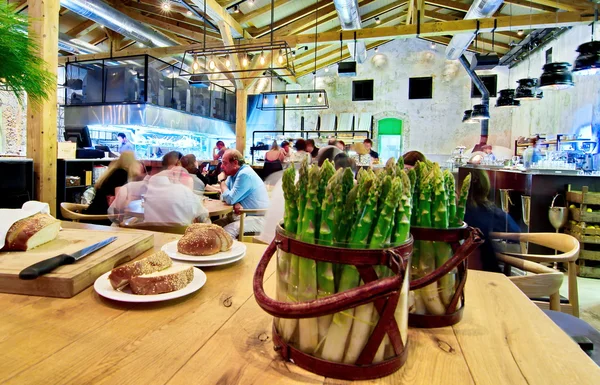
x: 337, y: 370
x: 339, y: 254
x: 472, y: 242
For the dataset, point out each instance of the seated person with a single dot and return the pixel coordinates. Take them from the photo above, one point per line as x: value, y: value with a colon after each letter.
x: 241, y: 187
x: 172, y: 169
x: 329, y: 152
x: 342, y: 160
x: 411, y: 158
x: 166, y: 200
x: 189, y: 163
x: 483, y: 214
x: 120, y: 171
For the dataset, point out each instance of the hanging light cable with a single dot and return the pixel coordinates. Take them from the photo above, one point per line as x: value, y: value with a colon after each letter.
x: 528, y: 87
x: 507, y: 96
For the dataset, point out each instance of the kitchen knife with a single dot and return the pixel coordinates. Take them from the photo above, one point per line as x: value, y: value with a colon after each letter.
x: 47, y: 265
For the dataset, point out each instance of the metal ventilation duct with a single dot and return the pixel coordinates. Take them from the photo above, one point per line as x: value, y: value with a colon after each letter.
x: 69, y: 44
x: 350, y: 19
x: 480, y: 9
x: 117, y: 21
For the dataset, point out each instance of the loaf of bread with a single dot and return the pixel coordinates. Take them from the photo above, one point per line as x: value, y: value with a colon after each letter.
x: 202, y: 239
x: 31, y: 232
x: 174, y: 278
x: 122, y: 275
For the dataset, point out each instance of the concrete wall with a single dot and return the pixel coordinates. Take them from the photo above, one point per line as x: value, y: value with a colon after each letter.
x: 434, y: 126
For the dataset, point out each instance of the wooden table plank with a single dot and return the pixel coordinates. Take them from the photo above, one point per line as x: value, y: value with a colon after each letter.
x: 151, y: 340
x: 507, y: 339
x: 220, y: 335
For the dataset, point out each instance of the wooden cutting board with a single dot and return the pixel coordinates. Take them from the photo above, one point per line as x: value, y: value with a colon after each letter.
x: 68, y: 280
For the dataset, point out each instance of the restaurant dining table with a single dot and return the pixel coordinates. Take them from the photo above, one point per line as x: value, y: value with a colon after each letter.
x: 219, y: 335
x: 215, y: 207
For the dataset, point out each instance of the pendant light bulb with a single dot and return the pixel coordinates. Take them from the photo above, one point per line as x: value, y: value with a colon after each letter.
x: 287, y: 99
x: 245, y: 61
x: 212, y: 65
x: 276, y: 99
x: 262, y: 59
x: 320, y: 98
x: 376, y: 49
x: 326, y: 69
x: 377, y: 20
x: 520, y: 32
x: 432, y: 45
x: 298, y: 99
x: 308, y: 99
x: 166, y: 6
x: 227, y: 62
x: 195, y: 64
x: 250, y: 2
x: 265, y: 100
x: 236, y: 9
x: 280, y: 58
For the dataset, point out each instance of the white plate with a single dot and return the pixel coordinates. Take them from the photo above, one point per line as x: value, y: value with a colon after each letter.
x: 214, y: 263
x: 236, y: 250
x: 105, y: 289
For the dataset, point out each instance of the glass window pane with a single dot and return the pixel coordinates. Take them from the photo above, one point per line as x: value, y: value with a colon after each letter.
x: 160, y: 83
x: 84, y: 83
x: 125, y: 80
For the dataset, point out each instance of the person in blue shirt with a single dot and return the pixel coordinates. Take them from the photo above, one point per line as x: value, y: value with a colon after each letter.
x: 241, y: 187
x: 124, y: 145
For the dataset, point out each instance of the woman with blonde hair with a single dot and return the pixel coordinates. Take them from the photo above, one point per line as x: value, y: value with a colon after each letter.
x: 120, y: 171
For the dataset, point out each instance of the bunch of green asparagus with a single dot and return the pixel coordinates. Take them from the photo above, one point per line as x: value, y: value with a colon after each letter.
x: 326, y: 207
x: 434, y: 206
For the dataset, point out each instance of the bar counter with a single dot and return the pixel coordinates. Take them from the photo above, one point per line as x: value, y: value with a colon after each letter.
x: 540, y: 185
x: 219, y: 335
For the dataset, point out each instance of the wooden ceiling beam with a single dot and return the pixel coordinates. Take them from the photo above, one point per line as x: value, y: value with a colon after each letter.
x: 310, y: 53
x: 261, y: 11
x: 165, y: 25
x: 22, y: 5
x: 82, y: 28
x: 449, y: 17
x: 566, y: 5
x: 529, y: 4
x: 173, y: 17
x: 254, y: 63
x: 504, y: 23
x: 176, y: 9
x: 217, y: 13
x: 325, y: 15
x: 325, y: 7
x: 449, y: 4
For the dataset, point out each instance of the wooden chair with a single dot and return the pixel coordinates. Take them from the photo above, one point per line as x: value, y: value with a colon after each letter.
x: 248, y: 236
x: 544, y: 281
x: 73, y: 211
x: 171, y: 228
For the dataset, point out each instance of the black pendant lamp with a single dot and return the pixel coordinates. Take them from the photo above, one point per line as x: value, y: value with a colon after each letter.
x: 588, y: 61
x: 507, y: 99
x: 556, y: 76
x: 527, y: 90
x: 480, y: 112
x: 467, y: 117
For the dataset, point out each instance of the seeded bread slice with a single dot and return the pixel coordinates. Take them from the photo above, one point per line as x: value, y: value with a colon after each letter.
x: 174, y: 278
x: 122, y: 275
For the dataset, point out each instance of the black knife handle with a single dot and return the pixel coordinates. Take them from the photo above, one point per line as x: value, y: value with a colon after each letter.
x: 46, y: 266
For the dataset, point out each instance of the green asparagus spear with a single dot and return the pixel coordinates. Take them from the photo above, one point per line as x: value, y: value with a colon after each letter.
x: 443, y: 251
x: 390, y: 167
x: 451, y: 192
x: 288, y: 263
x: 307, y: 268
x: 462, y: 202
x: 325, y: 274
x: 302, y: 186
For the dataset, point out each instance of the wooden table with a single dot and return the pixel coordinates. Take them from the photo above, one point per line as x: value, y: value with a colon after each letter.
x: 215, y: 208
x: 219, y: 335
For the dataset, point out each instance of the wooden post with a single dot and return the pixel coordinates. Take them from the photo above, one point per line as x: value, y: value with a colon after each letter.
x: 241, y: 109
x: 41, y: 121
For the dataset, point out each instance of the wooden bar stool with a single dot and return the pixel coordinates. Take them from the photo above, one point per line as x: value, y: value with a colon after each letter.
x: 73, y: 211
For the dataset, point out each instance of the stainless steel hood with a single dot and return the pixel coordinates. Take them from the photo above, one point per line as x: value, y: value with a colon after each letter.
x: 146, y: 115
